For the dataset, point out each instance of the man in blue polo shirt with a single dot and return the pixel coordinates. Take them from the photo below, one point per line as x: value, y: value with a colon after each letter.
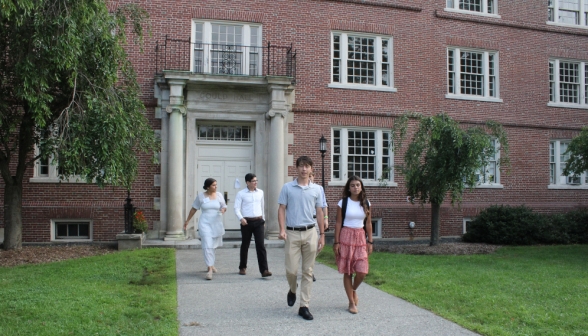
x: 298, y: 200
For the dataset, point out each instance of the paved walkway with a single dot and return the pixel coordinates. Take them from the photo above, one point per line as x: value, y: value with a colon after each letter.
x: 233, y: 304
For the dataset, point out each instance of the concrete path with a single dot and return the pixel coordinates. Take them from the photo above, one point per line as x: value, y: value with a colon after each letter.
x: 233, y: 304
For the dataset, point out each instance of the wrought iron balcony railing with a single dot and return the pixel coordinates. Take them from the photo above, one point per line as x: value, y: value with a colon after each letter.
x: 209, y: 58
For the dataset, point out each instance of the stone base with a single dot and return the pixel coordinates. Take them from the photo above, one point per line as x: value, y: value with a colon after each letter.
x: 174, y: 237
x: 130, y: 241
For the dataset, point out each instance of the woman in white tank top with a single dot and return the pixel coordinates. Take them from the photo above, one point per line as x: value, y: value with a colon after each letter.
x: 350, y: 246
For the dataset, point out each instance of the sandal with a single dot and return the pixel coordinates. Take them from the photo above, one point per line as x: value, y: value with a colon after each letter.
x: 214, y: 269
x: 209, y: 275
x: 353, y: 309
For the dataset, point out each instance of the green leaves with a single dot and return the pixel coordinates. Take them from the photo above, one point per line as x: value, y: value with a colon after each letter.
x: 443, y: 157
x: 68, y: 70
x: 578, y: 151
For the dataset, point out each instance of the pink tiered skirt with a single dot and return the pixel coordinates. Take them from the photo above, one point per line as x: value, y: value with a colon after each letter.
x: 353, y: 256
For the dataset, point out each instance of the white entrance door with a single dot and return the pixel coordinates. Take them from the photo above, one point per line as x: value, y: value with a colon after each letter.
x: 226, y: 173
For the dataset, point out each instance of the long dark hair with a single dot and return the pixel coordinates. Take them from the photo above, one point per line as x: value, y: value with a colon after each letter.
x: 362, y: 196
x: 208, y: 182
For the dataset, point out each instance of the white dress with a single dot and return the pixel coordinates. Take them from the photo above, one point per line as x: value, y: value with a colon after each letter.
x: 210, y: 223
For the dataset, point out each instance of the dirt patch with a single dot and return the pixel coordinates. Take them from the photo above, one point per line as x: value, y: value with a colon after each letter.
x: 46, y: 254
x: 441, y: 249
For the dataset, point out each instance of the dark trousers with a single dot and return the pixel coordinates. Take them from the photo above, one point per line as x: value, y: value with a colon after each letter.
x: 255, y: 228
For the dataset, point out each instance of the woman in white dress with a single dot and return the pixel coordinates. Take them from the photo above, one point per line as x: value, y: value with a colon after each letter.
x: 210, y: 224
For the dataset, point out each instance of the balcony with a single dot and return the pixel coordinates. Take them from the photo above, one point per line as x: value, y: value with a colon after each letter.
x: 221, y: 59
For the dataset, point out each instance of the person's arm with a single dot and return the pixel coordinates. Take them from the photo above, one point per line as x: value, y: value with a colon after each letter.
x: 190, y: 215
x: 221, y: 200
x: 368, y: 229
x: 338, y: 225
x: 321, y: 223
x: 237, y: 207
x: 282, y: 221
x: 262, y: 206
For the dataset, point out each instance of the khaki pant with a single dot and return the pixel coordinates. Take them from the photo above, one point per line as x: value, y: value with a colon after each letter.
x: 301, y: 245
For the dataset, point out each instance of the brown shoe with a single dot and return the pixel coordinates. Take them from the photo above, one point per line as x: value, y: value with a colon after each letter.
x: 242, y: 271
x: 266, y: 273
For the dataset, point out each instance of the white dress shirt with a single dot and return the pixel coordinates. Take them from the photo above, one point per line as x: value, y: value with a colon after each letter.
x: 249, y: 203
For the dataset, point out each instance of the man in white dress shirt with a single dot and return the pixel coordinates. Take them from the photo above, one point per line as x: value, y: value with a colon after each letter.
x: 249, y: 208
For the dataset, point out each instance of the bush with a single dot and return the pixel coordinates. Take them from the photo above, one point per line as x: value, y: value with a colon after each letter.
x: 507, y: 225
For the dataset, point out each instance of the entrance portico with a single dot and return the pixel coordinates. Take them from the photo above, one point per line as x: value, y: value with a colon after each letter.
x: 198, y: 102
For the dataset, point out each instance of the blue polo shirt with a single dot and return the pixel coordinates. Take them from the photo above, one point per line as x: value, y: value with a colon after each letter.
x: 301, y: 203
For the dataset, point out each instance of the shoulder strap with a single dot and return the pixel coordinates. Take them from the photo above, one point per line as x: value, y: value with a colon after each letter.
x: 343, y: 210
x: 366, y: 217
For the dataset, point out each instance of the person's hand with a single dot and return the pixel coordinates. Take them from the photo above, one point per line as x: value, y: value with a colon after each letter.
x: 370, y: 248
x: 282, y: 235
x: 223, y: 210
x: 243, y: 221
x: 336, y: 249
x: 326, y: 225
x: 186, y: 225
x: 321, y: 243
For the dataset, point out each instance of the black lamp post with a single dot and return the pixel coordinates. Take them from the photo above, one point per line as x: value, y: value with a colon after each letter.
x: 323, y: 150
x: 129, y: 212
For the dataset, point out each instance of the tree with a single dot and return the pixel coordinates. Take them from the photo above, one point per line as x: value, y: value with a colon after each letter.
x: 444, y: 158
x: 578, y: 152
x: 68, y: 88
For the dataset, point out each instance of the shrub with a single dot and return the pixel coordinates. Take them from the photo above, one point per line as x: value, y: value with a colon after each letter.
x: 507, y: 225
x: 139, y: 222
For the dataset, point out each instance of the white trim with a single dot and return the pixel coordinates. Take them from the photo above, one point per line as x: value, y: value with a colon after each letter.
x: 361, y: 87
x: 80, y: 220
x: 477, y: 98
x: 567, y: 105
x: 378, y: 233
x: 566, y: 25
x: 567, y: 186
x: 42, y: 179
x: 463, y: 11
x: 337, y: 183
x: 489, y: 186
x: 581, y: 15
x: 464, y: 220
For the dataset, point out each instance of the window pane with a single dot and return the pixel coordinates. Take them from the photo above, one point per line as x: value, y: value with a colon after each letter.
x: 361, y: 60
x: 472, y: 69
x: 569, y: 80
x: 471, y: 5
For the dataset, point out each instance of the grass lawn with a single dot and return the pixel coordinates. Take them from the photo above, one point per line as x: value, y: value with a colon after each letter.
x: 539, y: 290
x: 125, y: 293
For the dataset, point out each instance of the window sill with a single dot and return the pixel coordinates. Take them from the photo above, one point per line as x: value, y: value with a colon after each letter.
x: 568, y: 105
x: 477, y: 98
x: 489, y: 186
x: 362, y: 87
x: 566, y: 186
x: 566, y: 25
x: 365, y: 184
x: 56, y: 180
x: 461, y: 11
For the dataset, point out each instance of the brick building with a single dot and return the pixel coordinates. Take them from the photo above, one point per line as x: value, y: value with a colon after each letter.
x: 240, y: 86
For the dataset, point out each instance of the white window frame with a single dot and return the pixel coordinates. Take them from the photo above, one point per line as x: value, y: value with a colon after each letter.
x: 54, y: 233
x: 377, y: 233
x: 484, y: 179
x: 453, y: 6
x: 556, y: 180
x: 554, y: 82
x: 486, y: 74
x: 553, y: 8
x: 343, y: 44
x: 53, y: 173
x: 466, y: 220
x: 344, y: 152
x: 247, y: 42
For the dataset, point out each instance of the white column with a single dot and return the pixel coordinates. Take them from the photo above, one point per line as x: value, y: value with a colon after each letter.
x: 175, y: 162
x: 276, y: 151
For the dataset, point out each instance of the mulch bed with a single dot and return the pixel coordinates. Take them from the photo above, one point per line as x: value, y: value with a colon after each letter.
x: 46, y: 254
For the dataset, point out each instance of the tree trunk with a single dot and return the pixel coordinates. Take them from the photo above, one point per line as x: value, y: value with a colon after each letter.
x: 13, y: 215
x: 435, y: 210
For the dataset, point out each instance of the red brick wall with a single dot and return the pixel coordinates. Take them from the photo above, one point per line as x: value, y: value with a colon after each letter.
x: 421, y: 32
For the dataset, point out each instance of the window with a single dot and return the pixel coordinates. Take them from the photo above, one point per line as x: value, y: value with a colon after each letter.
x: 557, y: 164
x: 472, y: 74
x: 568, y: 83
x: 62, y: 230
x: 224, y: 133
x: 376, y: 227
x: 466, y: 223
x: 475, y: 6
x: 226, y: 48
x: 362, y: 152
x: 361, y: 61
x: 568, y: 12
x: 490, y: 174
